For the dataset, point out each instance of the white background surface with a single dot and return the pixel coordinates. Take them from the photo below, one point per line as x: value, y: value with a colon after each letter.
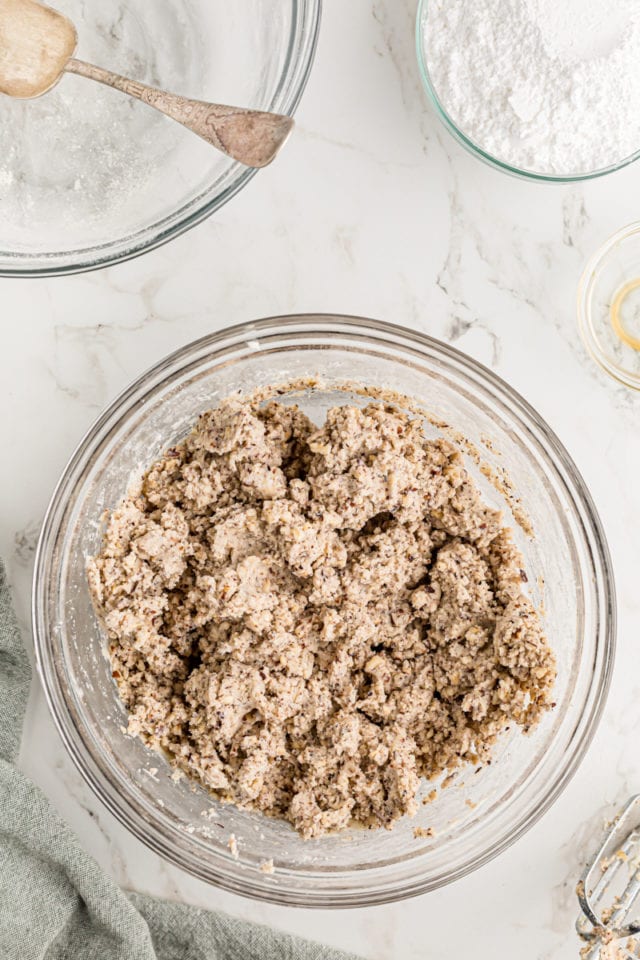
x: 372, y: 209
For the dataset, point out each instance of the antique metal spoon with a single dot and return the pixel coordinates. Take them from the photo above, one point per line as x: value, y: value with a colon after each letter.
x: 37, y: 45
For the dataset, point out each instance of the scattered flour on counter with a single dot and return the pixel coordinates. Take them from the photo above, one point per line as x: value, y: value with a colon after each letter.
x: 547, y: 86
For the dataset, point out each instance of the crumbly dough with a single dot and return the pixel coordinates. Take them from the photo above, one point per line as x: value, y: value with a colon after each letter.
x: 308, y: 621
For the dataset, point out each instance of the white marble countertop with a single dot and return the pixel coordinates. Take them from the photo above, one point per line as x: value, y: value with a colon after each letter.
x: 373, y: 210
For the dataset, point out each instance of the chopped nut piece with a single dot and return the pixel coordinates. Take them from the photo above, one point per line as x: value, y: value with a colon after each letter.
x: 232, y: 843
x: 424, y: 832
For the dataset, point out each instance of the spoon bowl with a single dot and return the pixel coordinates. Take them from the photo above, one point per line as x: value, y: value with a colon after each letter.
x: 36, y: 43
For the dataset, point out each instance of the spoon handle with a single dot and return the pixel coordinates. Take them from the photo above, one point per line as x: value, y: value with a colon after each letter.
x: 252, y: 137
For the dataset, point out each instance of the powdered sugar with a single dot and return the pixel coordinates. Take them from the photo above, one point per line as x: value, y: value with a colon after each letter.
x: 550, y: 86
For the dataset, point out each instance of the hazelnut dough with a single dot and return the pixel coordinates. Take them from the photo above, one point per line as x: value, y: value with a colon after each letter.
x: 308, y: 621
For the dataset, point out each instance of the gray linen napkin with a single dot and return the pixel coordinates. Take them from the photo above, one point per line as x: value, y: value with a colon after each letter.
x: 55, y: 901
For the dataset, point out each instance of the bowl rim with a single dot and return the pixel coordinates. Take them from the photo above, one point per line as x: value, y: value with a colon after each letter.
x: 565, y: 472
x: 474, y: 148
x: 97, y: 256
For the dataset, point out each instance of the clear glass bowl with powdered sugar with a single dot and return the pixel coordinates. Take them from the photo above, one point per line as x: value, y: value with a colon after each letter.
x: 89, y: 177
x: 482, y: 810
x: 541, y: 90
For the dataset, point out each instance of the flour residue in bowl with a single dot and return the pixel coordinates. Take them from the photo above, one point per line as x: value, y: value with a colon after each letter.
x: 83, y: 151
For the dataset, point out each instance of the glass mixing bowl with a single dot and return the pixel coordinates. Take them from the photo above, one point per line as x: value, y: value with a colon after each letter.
x: 422, y: 51
x: 89, y: 177
x: 482, y: 812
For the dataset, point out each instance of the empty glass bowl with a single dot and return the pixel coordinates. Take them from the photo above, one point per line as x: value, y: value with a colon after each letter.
x: 570, y: 577
x: 89, y: 177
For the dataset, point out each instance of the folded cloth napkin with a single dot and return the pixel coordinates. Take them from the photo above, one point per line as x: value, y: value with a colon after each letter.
x: 55, y: 901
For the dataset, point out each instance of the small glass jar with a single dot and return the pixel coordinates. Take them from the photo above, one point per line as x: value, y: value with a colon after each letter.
x: 609, y: 306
